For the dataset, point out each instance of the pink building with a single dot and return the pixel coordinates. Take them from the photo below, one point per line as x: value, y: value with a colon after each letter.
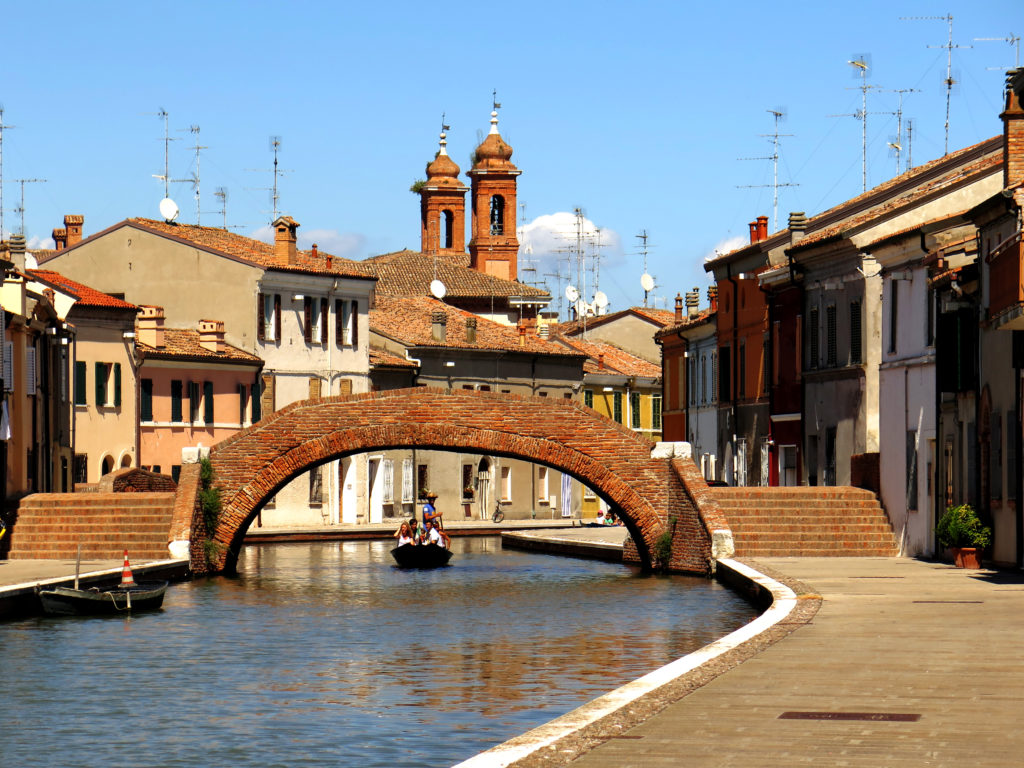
x: 194, y: 388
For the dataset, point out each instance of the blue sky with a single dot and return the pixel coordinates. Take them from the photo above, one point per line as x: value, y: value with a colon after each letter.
x: 639, y: 113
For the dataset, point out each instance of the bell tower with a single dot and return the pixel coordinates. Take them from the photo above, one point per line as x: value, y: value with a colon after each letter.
x: 443, y: 205
x: 493, y: 248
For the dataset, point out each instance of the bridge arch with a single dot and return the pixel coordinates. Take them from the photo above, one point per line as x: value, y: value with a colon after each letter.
x: 617, y: 464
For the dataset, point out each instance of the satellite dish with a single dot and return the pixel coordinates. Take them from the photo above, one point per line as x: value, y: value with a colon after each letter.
x: 600, y: 300
x: 168, y: 209
x: 646, y: 282
x: 31, y: 262
x: 437, y: 289
x: 571, y: 293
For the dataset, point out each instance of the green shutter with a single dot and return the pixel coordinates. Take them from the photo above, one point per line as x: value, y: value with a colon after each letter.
x: 80, y: 370
x: 617, y: 407
x: 146, y: 401
x: 101, y: 384
x: 208, y: 402
x: 117, y: 385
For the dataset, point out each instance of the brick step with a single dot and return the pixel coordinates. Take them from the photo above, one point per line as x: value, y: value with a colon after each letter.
x: 824, y: 538
x: 815, y: 492
x: 783, y: 551
x: 34, y: 539
x: 799, y: 504
x: 796, y: 528
x: 838, y: 523
x: 113, y: 518
x: 51, y: 500
x: 74, y: 532
x: 93, y: 553
x: 825, y: 513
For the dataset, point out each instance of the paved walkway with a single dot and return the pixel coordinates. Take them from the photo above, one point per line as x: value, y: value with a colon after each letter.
x: 892, y: 636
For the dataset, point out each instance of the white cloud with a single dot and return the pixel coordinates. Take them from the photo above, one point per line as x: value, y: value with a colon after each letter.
x: 347, y: 245
x: 725, y: 246
x: 548, y: 240
x: 40, y: 244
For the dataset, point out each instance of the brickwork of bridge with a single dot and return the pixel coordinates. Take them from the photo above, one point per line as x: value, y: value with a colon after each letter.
x: 649, y: 494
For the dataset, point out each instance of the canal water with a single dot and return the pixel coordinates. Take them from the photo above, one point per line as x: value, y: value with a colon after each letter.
x: 324, y: 654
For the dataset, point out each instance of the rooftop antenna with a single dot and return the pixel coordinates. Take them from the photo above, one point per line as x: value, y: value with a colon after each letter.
x: 897, y: 144
x: 221, y: 193
x: 861, y: 66
x: 166, y: 177
x: 2, y: 127
x: 778, y: 115
x: 1013, y: 40
x: 526, y: 249
x: 646, y: 281
x: 194, y: 180
x: 910, y: 144
x: 21, y: 208
x: 949, y: 46
x: 275, y: 147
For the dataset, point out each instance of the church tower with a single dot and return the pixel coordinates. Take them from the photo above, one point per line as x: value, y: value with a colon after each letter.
x: 443, y: 206
x: 493, y: 248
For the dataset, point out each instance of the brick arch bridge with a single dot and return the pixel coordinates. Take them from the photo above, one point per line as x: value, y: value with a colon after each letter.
x: 649, y: 494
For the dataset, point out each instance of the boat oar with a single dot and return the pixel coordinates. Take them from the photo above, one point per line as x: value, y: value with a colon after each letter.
x: 78, y: 563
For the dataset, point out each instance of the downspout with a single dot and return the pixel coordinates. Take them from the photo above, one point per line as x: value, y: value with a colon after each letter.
x: 734, y: 362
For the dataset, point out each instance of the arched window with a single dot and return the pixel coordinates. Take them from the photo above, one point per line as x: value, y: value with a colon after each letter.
x: 497, y: 215
x: 448, y: 229
x: 108, y: 465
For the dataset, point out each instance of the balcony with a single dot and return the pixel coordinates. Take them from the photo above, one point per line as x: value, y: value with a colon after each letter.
x: 1006, y: 284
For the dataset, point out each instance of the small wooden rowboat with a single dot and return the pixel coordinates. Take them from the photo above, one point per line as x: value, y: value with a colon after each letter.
x: 421, y: 556
x: 65, y: 601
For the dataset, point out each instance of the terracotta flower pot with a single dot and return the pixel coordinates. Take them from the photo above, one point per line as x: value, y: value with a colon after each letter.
x: 967, y: 557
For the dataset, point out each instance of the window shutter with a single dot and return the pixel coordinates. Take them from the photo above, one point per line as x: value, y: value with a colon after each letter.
x: 355, y: 323
x: 261, y: 317
x: 345, y: 387
x: 176, y: 394
x: 255, y: 397
x: 855, y: 334
x: 339, y: 329
x: 307, y: 319
x: 193, y: 401
x: 407, y: 481
x: 80, y: 369
x: 267, y: 403
x: 323, y: 321
x: 389, y: 481
x: 812, y: 329
x: 830, y: 338
x: 117, y: 385
x: 277, y: 316
x: 208, y: 402
x: 241, y: 405
x: 30, y: 370
x: 146, y: 400
x: 101, y: 384
x: 8, y: 366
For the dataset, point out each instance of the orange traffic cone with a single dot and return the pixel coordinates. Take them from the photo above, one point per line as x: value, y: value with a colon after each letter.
x: 127, y: 580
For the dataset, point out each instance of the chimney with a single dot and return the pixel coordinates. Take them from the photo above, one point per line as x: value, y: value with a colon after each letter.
x: 60, y: 238
x: 1013, y: 129
x: 543, y: 330
x: 762, y: 228
x: 73, y: 224
x: 678, y: 318
x: 522, y: 335
x: 797, y: 226
x: 313, y: 251
x: 284, y: 240
x: 471, y: 330
x: 753, y: 231
x: 17, y: 251
x: 211, y: 336
x: 439, y: 326
x: 693, y: 302
x: 600, y: 361
x: 713, y: 297
x: 150, y: 322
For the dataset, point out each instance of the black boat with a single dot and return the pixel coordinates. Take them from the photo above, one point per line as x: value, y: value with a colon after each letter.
x: 421, y: 556
x: 65, y: 601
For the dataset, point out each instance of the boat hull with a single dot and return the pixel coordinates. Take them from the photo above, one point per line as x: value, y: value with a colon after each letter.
x: 64, y: 601
x: 421, y: 556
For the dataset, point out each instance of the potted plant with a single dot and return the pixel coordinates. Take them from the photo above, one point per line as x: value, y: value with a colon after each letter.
x: 425, y: 494
x: 961, y: 530
x: 468, y: 492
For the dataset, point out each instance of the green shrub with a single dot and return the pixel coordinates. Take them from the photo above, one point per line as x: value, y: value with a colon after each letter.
x: 663, y: 551
x: 960, y: 526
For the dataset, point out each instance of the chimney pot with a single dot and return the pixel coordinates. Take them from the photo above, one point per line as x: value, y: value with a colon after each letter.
x: 285, y: 250
x: 679, y: 308
x: 762, y: 228
x: 522, y: 335
x: 211, y: 336
x: 693, y: 302
x: 797, y: 225
x: 713, y: 297
x: 150, y: 322
x: 314, y: 252
x: 60, y: 238
x: 471, y: 330
x: 543, y: 331
x: 753, y: 231
x: 1013, y: 129
x: 73, y: 224
x: 439, y: 326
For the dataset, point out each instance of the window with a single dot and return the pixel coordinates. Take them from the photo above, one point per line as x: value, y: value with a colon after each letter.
x: 243, y: 404
x: 64, y: 376
x: 321, y: 323
x: 8, y: 366
x: 831, y: 356
x: 497, y: 215
x: 208, y: 402
x: 388, y: 470
x: 193, y: 401
x: 176, y: 388
x: 268, y: 320
x: 307, y: 318
x: 542, y: 485
x: 894, y: 304
x: 80, y: 369
x: 175, y: 472
x: 346, y: 315
x: 468, y: 487
x: 254, y: 398
x: 703, y: 380
x: 31, y: 370
x: 80, y: 469
x: 634, y: 410
x: 656, y: 412
x: 714, y: 377
x: 268, y: 394
x: 407, y: 490
x: 108, y: 384
x: 447, y: 229
x: 316, y: 487
x: 588, y: 398
x: 812, y: 329
x: 506, y: 483
x: 856, y: 345
x: 146, y: 400
x: 422, y: 477
x: 617, y: 407
x: 911, y: 469
x: 314, y: 387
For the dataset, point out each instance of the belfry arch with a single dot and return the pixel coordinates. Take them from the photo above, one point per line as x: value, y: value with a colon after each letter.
x: 648, y: 493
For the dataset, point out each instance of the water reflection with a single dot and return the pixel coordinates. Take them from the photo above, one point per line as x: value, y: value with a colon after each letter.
x: 325, y: 654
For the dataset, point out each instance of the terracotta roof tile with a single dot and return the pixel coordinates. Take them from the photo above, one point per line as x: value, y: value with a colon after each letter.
x: 183, y: 344
x: 409, y: 273
x: 613, y: 358
x: 84, y: 295
x: 380, y: 357
x: 409, y: 321
x: 706, y: 315
x: 661, y: 317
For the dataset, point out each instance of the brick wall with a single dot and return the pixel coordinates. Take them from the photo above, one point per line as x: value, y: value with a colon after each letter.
x: 254, y: 464
x: 134, y: 480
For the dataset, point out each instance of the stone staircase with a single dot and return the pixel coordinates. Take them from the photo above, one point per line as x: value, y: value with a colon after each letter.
x: 806, y: 522
x: 50, y: 526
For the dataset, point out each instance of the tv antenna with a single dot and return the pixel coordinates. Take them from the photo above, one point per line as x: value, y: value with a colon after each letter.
x: 194, y: 180
x: 949, y: 46
x: 166, y: 177
x: 21, y: 208
x: 778, y: 115
x: 910, y: 143
x: 897, y: 144
x: 275, y: 147
x: 861, y: 66
x: 646, y: 280
x: 2, y: 128
x: 1013, y: 40
x: 221, y: 193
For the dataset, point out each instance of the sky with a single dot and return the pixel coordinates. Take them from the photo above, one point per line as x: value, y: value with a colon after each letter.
x: 647, y: 117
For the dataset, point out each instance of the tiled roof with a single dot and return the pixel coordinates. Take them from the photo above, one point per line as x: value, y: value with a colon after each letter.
x: 706, y: 315
x: 84, y: 295
x: 408, y: 320
x: 246, y: 249
x: 409, y: 273
x: 380, y: 357
x: 613, y: 359
x: 660, y: 317
x: 950, y: 217
x: 183, y: 344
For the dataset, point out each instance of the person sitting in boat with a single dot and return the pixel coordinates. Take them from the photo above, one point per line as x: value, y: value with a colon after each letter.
x: 437, y: 536
x: 404, y: 535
